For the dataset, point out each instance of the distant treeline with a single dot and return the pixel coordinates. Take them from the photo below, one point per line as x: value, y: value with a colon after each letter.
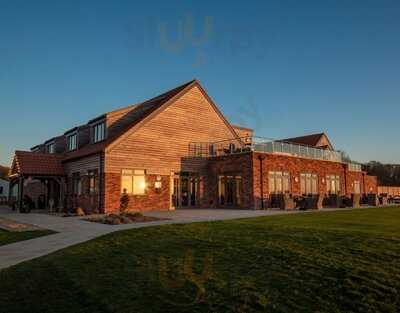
x: 388, y: 174
x: 4, y: 171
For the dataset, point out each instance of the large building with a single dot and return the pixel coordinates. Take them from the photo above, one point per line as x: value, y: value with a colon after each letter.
x: 177, y: 150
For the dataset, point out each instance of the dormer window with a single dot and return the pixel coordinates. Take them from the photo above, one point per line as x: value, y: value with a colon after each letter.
x: 72, y: 142
x: 50, y: 147
x: 99, y: 132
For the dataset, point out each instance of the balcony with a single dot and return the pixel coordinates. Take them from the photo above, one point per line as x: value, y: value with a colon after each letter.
x: 257, y: 144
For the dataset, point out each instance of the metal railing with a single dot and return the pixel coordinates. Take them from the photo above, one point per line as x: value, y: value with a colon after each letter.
x: 257, y: 144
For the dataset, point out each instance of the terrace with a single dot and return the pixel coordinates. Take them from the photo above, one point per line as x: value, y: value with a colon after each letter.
x: 264, y: 145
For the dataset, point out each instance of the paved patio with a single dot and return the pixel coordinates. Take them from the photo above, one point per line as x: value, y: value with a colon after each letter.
x: 73, y: 230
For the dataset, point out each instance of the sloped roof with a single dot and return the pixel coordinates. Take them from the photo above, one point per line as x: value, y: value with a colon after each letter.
x: 308, y: 140
x: 136, y: 113
x: 34, y: 163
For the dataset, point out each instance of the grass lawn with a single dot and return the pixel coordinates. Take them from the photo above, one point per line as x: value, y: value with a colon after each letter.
x: 346, y: 261
x: 7, y: 237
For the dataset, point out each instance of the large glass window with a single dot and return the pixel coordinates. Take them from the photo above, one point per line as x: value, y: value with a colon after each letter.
x: 229, y: 190
x: 357, y: 187
x: 72, y: 142
x: 133, y: 182
x: 93, y: 181
x: 99, y: 132
x: 278, y: 182
x: 308, y: 183
x: 76, y: 184
x: 333, y: 184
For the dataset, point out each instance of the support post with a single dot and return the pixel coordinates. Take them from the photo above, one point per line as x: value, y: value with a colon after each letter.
x: 21, y: 194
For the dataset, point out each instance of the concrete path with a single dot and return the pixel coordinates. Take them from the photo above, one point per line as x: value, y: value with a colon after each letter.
x: 73, y: 230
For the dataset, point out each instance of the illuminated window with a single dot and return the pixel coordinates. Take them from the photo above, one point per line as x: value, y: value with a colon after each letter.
x: 93, y: 181
x: 133, y: 182
x: 99, y: 132
x: 333, y: 184
x: 278, y: 182
x: 308, y: 183
x: 357, y: 187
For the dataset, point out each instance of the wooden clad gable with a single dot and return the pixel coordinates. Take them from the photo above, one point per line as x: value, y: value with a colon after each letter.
x: 160, y: 143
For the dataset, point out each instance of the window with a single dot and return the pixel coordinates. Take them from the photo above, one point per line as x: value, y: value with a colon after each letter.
x: 357, y: 187
x: 93, y: 181
x: 230, y: 190
x: 51, y: 147
x: 1, y: 190
x: 279, y: 182
x: 76, y: 184
x: 71, y: 141
x: 133, y: 182
x: 333, y: 184
x: 99, y: 132
x: 308, y: 183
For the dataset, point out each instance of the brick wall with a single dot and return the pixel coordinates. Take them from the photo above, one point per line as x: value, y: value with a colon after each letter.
x: 239, y: 164
x: 153, y: 200
x: 352, y: 177
x: 371, y: 184
x: 295, y: 166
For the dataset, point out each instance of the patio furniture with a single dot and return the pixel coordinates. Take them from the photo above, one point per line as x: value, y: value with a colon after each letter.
x: 288, y: 202
x: 276, y: 201
x: 383, y: 200
x: 372, y: 199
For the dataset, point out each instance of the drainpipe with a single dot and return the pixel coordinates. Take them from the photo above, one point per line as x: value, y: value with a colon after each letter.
x: 101, y: 182
x: 363, y: 175
x: 261, y: 158
x: 345, y: 179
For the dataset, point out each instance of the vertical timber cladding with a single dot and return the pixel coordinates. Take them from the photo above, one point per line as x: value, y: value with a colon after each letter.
x: 160, y: 145
x: 82, y: 166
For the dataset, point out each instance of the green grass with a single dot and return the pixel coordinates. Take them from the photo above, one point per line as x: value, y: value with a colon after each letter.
x: 11, y: 237
x: 346, y: 261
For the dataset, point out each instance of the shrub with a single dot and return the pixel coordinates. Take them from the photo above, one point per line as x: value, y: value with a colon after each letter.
x: 124, y: 202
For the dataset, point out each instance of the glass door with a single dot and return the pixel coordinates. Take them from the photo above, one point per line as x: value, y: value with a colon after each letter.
x: 229, y: 191
x: 186, y: 191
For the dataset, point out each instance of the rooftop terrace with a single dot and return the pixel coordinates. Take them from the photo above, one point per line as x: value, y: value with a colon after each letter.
x: 264, y: 145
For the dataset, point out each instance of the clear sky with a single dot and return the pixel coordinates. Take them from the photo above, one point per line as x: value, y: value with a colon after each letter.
x: 285, y: 68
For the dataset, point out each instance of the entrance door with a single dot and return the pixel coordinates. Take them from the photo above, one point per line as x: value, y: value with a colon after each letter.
x: 229, y: 191
x: 186, y: 191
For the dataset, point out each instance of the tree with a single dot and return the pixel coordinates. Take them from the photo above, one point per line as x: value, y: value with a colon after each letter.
x: 4, y: 172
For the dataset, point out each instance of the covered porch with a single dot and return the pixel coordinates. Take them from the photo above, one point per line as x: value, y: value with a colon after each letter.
x: 37, y: 181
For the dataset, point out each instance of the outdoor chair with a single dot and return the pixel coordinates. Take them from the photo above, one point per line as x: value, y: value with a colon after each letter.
x: 383, y: 200
x: 372, y: 200
x: 288, y: 202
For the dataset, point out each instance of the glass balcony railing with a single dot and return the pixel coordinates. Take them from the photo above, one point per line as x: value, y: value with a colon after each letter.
x: 263, y: 145
x: 296, y: 150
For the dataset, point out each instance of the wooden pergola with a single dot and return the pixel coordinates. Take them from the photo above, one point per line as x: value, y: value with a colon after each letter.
x: 43, y: 167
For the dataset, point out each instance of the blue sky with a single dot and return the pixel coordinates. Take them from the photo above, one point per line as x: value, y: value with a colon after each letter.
x: 286, y: 68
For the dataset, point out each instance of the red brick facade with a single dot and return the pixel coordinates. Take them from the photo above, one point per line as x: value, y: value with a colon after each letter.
x: 254, y: 169
x: 239, y: 164
x: 153, y: 200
